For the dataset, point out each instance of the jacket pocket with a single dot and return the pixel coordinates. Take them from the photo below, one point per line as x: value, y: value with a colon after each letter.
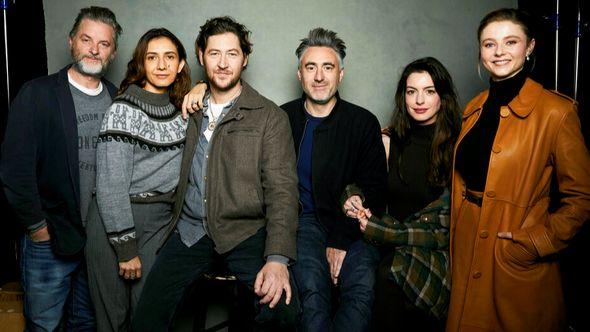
x: 518, y: 254
x: 514, y: 258
x: 243, y: 131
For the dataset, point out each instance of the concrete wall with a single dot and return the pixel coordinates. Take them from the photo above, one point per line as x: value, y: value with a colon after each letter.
x: 382, y: 36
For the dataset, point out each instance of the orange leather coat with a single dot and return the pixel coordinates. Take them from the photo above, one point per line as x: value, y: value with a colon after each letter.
x: 514, y: 285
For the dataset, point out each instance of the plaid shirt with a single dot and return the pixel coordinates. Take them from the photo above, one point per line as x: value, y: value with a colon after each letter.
x: 421, y: 258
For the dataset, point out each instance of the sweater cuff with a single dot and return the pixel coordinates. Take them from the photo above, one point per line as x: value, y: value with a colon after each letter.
x: 35, y: 227
x: 278, y: 258
x: 349, y: 191
x: 125, y: 245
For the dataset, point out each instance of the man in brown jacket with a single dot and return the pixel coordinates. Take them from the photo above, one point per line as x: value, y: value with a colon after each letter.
x: 237, y: 195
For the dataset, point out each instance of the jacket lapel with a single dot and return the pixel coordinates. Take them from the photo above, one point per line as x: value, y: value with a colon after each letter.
x: 68, y: 119
x: 192, y: 140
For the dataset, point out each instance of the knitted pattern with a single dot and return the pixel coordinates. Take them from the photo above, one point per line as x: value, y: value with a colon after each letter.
x: 139, y: 151
x: 139, y: 118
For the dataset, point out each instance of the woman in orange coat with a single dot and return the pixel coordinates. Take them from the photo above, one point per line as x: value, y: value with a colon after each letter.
x: 515, y: 137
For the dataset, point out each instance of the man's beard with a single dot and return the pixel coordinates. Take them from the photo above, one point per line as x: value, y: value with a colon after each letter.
x: 96, y: 70
x: 323, y: 101
x: 228, y: 86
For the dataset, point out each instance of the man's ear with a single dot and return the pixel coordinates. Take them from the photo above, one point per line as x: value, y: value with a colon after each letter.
x: 200, y: 56
x: 245, y: 62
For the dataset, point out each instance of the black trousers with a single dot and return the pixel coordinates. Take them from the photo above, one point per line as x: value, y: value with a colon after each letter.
x: 178, y: 266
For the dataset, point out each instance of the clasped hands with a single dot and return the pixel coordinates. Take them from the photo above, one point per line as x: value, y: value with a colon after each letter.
x: 353, y: 208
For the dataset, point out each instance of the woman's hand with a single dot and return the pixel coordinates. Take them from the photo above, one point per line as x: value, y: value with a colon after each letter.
x: 130, y: 269
x: 363, y: 217
x: 193, y: 101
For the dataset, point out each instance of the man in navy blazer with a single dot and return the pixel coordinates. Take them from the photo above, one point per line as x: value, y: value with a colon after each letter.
x: 48, y: 170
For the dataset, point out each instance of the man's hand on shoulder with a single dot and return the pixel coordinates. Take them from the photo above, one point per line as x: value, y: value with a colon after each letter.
x: 270, y: 282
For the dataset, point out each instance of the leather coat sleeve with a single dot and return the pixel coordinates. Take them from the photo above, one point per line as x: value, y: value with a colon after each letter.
x: 18, y: 168
x: 279, y: 182
x: 572, y: 167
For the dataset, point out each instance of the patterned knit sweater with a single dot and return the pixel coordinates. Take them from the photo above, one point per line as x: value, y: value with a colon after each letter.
x: 139, y: 151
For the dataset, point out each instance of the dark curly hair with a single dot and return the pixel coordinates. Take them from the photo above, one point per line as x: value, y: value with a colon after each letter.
x: 221, y: 25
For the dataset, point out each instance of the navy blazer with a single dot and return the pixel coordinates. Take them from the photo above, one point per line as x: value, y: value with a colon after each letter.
x: 39, y: 162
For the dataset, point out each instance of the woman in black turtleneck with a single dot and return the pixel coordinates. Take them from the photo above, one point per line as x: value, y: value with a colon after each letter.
x: 411, y: 292
x: 514, y: 139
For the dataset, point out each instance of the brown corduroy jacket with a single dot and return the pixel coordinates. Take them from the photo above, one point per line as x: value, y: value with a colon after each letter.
x: 514, y: 285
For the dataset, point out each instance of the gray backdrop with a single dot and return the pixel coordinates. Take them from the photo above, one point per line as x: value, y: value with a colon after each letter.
x: 382, y: 36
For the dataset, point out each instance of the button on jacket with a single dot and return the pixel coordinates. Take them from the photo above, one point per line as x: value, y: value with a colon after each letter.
x: 514, y: 285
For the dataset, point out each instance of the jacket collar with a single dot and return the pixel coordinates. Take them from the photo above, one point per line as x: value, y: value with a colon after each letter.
x: 249, y: 98
x: 334, y: 110
x: 522, y: 105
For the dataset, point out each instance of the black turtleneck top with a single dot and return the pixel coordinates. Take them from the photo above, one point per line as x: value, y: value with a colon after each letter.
x: 473, y: 153
x: 408, y: 187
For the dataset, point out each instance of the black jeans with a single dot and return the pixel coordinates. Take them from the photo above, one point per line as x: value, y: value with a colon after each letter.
x: 178, y: 266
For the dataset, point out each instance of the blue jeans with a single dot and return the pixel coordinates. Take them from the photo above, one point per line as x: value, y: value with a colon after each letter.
x: 54, y: 286
x: 312, y: 276
x: 178, y: 266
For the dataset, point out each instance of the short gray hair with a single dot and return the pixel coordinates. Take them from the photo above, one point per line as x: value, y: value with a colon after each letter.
x: 100, y: 14
x: 321, y: 37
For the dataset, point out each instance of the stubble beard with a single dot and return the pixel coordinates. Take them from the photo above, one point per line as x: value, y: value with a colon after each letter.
x: 318, y: 101
x: 230, y: 85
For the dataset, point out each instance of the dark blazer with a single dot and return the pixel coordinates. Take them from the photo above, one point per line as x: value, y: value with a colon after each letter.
x: 347, y: 148
x: 39, y: 163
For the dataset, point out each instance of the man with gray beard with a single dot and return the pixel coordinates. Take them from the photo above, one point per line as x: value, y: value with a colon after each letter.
x: 48, y: 170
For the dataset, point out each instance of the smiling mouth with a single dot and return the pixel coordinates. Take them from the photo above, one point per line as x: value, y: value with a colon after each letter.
x: 501, y: 62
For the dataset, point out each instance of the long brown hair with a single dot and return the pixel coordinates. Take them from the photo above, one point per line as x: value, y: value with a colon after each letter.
x: 447, y: 125
x: 136, y: 70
